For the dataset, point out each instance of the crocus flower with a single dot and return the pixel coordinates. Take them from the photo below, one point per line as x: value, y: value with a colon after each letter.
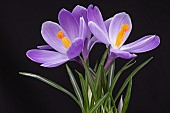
x: 78, y: 12
x: 65, y: 41
x: 115, y: 32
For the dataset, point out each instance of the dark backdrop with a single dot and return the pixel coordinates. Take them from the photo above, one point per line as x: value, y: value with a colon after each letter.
x: 20, y: 23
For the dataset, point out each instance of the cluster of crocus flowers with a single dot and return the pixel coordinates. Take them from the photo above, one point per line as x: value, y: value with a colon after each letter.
x: 73, y: 37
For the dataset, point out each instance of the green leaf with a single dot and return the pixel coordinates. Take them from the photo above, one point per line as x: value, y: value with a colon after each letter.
x: 114, y: 81
x: 75, y: 85
x: 127, y: 97
x: 95, y: 67
x: 89, y: 78
x: 130, y: 76
x: 98, y: 103
x: 104, y: 80
x: 102, y: 61
x: 84, y: 90
x: 53, y: 84
x: 97, y: 78
x: 111, y: 75
x: 127, y: 65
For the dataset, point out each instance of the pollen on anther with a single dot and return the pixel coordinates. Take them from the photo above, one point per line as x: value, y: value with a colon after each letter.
x: 60, y: 35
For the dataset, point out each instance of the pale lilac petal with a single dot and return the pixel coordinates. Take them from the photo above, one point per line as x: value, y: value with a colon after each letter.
x: 54, y: 63
x: 78, y: 12
x: 44, y: 56
x: 115, y: 26
x: 49, y: 31
x: 44, y: 47
x: 107, y: 23
x: 98, y: 33
x: 69, y: 24
x: 122, y: 54
x: 94, y: 15
x: 82, y: 29
x: 92, y: 42
x: 75, y: 48
x: 144, y: 44
x: 88, y: 45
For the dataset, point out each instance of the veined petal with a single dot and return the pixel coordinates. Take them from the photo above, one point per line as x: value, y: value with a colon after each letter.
x: 75, y: 48
x: 144, y: 44
x: 69, y: 24
x: 94, y: 15
x: 49, y: 31
x: 98, y: 33
x: 44, y: 56
x: 88, y: 45
x: 107, y: 23
x: 92, y: 42
x: 44, y: 47
x: 115, y: 26
x: 82, y: 29
x: 54, y: 63
x: 122, y: 54
x: 78, y: 12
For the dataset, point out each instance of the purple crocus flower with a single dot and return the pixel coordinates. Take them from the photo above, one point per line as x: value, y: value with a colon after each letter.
x: 89, y: 42
x: 66, y: 40
x: 115, y: 32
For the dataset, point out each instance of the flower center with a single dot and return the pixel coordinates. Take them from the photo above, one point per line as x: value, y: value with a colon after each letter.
x: 121, y: 34
x: 66, y: 42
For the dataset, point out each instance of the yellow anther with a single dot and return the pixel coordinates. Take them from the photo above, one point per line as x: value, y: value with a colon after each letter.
x: 60, y: 35
x: 121, y: 34
x: 66, y: 42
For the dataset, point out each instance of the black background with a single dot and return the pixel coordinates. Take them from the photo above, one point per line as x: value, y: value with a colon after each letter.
x: 20, y: 23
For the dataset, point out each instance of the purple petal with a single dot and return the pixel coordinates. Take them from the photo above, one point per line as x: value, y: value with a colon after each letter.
x: 92, y: 42
x: 88, y: 45
x: 49, y: 31
x: 107, y: 23
x: 69, y: 24
x: 54, y: 63
x: 122, y: 54
x: 75, y: 48
x: 94, y: 15
x: 44, y: 56
x: 98, y: 33
x: 44, y: 47
x: 82, y: 29
x: 78, y: 12
x: 144, y: 44
x: 115, y: 27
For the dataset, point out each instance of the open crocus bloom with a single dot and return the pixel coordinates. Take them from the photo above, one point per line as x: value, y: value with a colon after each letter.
x: 115, y: 32
x: 66, y: 40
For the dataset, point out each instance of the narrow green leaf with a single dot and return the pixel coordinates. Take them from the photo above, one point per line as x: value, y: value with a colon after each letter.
x: 111, y: 75
x: 53, y: 84
x: 127, y: 97
x: 98, y: 103
x: 114, y: 81
x: 119, y: 73
x: 75, y: 85
x: 95, y: 67
x: 104, y: 80
x: 102, y: 61
x: 130, y: 76
x: 84, y: 90
x: 97, y: 78
x: 89, y: 79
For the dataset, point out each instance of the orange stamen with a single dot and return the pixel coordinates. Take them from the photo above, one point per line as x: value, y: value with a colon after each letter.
x: 121, y: 34
x: 66, y: 42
